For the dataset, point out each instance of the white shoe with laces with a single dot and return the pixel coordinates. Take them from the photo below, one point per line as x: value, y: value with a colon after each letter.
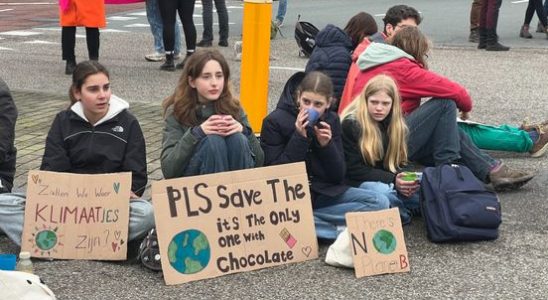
x: 156, y: 56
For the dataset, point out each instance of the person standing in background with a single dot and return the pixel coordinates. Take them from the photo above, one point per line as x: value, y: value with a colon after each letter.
x: 156, y: 27
x: 168, y: 11
x: 475, y: 13
x: 280, y: 15
x: 207, y: 16
x: 87, y: 13
x: 489, y: 16
x: 534, y: 5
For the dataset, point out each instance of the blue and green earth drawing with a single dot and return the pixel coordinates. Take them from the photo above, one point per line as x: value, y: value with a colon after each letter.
x: 384, y: 241
x: 46, y: 239
x: 189, y: 251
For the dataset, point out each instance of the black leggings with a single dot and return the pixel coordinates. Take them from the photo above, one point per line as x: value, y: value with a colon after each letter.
x: 68, y: 41
x: 535, y: 5
x: 168, y: 11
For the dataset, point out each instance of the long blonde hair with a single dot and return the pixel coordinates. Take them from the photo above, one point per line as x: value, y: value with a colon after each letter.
x: 371, y: 145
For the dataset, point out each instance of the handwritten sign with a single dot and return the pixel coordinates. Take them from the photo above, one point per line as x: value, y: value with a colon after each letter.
x: 231, y: 222
x: 75, y: 216
x: 377, y: 243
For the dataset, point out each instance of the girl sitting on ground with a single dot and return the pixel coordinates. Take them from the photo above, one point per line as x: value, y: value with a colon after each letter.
x: 375, y: 147
x: 302, y: 128
x: 206, y: 129
x: 434, y: 137
x: 72, y: 147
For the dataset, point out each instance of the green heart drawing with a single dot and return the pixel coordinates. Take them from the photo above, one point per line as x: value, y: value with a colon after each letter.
x: 116, y: 187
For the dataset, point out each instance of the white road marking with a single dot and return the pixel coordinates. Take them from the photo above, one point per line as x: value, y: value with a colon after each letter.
x: 141, y: 13
x: 20, y: 33
x: 7, y: 9
x: 41, y: 42
x: 6, y: 49
x: 111, y: 30
x: 137, y: 25
x: 121, y: 18
x: 520, y: 1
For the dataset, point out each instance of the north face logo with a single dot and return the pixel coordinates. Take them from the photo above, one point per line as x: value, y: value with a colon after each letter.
x: 118, y: 128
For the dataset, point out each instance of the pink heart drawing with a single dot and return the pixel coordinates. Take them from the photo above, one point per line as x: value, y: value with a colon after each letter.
x: 35, y: 178
x: 114, y: 246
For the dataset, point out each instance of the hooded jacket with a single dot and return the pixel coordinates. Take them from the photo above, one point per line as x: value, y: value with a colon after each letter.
x: 414, y: 81
x: 332, y: 55
x: 282, y: 144
x: 353, y: 71
x: 114, y: 144
x: 8, y: 116
x: 179, y: 142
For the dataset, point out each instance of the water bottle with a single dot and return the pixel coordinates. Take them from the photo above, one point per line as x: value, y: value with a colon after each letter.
x: 25, y: 264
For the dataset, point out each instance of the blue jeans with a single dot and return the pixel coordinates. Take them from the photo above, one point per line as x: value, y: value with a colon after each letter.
x: 435, y: 139
x: 282, y: 9
x: 157, y: 27
x: 12, y: 215
x: 408, y: 207
x: 216, y: 154
x: 207, y: 16
x: 330, y: 219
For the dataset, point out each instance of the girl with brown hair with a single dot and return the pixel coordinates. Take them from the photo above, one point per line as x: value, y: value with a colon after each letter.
x: 206, y: 129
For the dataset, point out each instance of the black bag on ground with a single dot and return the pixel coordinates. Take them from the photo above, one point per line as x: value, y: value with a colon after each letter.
x: 149, y: 251
x: 457, y: 206
x: 305, y: 35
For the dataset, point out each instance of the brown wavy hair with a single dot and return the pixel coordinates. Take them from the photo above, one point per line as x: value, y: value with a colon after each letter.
x: 184, y: 100
x: 413, y: 42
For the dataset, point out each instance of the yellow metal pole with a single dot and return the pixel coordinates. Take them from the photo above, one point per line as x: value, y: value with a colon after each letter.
x: 255, y: 60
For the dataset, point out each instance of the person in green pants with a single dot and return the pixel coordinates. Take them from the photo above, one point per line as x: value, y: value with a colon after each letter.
x: 526, y: 138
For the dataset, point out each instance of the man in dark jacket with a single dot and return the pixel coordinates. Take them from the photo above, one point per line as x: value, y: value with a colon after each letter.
x: 8, y: 116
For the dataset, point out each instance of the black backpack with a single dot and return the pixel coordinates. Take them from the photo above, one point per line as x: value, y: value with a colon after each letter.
x: 305, y: 35
x: 456, y: 206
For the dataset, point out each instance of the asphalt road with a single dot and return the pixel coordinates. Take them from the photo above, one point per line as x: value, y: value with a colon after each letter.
x: 506, y: 87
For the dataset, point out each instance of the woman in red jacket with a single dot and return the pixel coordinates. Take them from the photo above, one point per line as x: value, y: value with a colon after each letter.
x: 434, y: 137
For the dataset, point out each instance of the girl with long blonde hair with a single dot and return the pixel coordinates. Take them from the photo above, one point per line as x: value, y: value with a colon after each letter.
x: 375, y: 146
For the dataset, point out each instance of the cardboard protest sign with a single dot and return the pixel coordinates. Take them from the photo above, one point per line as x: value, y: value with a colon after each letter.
x: 76, y: 216
x: 377, y: 242
x: 230, y: 222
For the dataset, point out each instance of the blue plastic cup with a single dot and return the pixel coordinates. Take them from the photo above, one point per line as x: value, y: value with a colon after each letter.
x: 313, y: 116
x: 7, y: 262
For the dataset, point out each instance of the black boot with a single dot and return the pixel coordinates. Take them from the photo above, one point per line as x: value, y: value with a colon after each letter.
x: 182, y: 64
x: 70, y: 66
x: 169, y: 64
x: 482, y: 38
x: 493, y: 43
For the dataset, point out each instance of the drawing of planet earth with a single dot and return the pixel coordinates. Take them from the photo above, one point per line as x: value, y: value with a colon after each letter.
x: 384, y: 241
x: 46, y: 239
x: 189, y: 251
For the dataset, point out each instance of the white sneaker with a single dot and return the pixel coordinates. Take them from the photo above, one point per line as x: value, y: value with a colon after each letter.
x: 279, y: 23
x: 156, y: 56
